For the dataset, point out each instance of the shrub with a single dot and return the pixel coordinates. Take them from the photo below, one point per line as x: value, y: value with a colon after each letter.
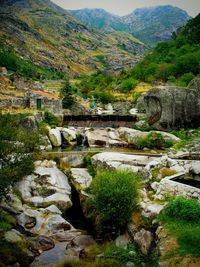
x: 154, y: 140
x: 88, y: 164
x: 184, y: 209
x: 50, y: 119
x: 67, y: 93
x: 104, y: 97
x: 182, y: 217
x: 114, y: 196
x: 128, y: 84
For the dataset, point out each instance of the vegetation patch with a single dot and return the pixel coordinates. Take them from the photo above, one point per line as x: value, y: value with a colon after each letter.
x: 182, y: 219
x: 154, y: 140
x: 114, y: 197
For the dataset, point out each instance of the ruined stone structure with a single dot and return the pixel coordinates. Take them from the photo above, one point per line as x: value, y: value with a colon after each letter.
x: 38, y: 99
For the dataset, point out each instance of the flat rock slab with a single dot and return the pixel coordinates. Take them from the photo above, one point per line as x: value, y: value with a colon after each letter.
x: 112, y: 160
x: 81, y: 177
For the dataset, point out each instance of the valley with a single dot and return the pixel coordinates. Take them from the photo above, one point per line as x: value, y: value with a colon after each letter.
x: 99, y: 137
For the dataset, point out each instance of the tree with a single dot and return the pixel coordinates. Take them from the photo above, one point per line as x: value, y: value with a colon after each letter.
x: 67, y: 93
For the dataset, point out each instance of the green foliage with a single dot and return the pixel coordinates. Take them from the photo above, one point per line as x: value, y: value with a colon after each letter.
x: 184, y: 209
x: 104, y: 97
x: 174, y: 59
x: 88, y: 164
x: 114, y: 196
x: 182, y: 219
x: 67, y: 93
x: 26, y: 68
x: 10, y: 254
x: 128, y: 84
x: 16, y: 150
x: 6, y: 221
x: 154, y: 140
x: 51, y: 119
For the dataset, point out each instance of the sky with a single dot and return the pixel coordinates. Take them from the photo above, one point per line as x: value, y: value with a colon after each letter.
x: 124, y: 7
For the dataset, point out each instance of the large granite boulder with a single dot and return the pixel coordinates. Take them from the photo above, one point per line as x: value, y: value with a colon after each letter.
x: 47, y: 186
x: 104, y: 137
x: 171, y: 107
x: 55, y: 136
x: 112, y: 161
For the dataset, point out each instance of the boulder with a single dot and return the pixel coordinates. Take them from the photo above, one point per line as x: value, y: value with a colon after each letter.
x: 112, y: 160
x: 81, y: 179
x: 172, y: 107
x: 144, y: 240
x: 122, y: 241
x: 47, y: 186
x: 83, y: 241
x: 69, y: 135
x: 196, y: 167
x: 55, y: 136
x: 97, y: 137
x: 13, y: 236
x: 195, y: 83
x: 73, y: 159
x: 131, y: 136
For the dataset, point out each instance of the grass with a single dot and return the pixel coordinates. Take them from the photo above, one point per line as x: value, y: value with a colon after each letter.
x: 182, y: 218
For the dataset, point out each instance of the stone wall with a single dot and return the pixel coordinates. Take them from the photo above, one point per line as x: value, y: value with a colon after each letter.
x: 14, y: 103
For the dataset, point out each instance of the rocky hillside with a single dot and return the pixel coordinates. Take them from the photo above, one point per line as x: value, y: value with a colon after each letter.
x: 151, y: 25
x: 48, y: 36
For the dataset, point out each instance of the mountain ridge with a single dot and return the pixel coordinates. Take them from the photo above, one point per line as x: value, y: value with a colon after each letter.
x: 51, y: 37
x: 150, y: 24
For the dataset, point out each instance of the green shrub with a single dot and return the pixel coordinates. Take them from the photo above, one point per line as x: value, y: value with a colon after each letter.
x: 104, y: 97
x: 184, y: 209
x: 154, y: 140
x: 88, y: 164
x: 182, y: 218
x: 128, y: 84
x: 114, y: 196
x: 50, y: 119
x: 67, y: 94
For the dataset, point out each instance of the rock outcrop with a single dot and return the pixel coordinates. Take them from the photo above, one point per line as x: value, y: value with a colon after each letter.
x: 48, y: 185
x: 171, y: 107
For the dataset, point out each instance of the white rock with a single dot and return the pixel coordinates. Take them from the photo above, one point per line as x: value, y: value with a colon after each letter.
x: 196, y: 167
x: 55, y: 136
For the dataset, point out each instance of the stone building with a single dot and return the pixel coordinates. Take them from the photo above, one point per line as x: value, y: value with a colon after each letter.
x: 38, y: 99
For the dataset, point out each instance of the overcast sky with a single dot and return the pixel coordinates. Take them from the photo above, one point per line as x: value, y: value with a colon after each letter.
x: 124, y: 7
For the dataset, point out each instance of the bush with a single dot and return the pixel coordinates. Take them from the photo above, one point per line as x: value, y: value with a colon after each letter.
x: 182, y: 218
x: 128, y: 84
x: 114, y: 196
x: 67, y: 93
x: 50, y: 119
x: 104, y: 97
x: 154, y: 140
x: 184, y: 209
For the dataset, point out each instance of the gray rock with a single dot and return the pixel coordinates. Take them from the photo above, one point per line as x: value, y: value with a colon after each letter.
x: 169, y: 107
x: 122, y: 241
x: 13, y: 236
x: 54, y: 136
x: 196, y: 167
x: 144, y: 240
x: 69, y: 134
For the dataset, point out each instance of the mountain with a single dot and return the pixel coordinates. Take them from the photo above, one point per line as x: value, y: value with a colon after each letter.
x: 101, y: 19
x: 151, y: 25
x: 49, y: 36
x: 175, y: 62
